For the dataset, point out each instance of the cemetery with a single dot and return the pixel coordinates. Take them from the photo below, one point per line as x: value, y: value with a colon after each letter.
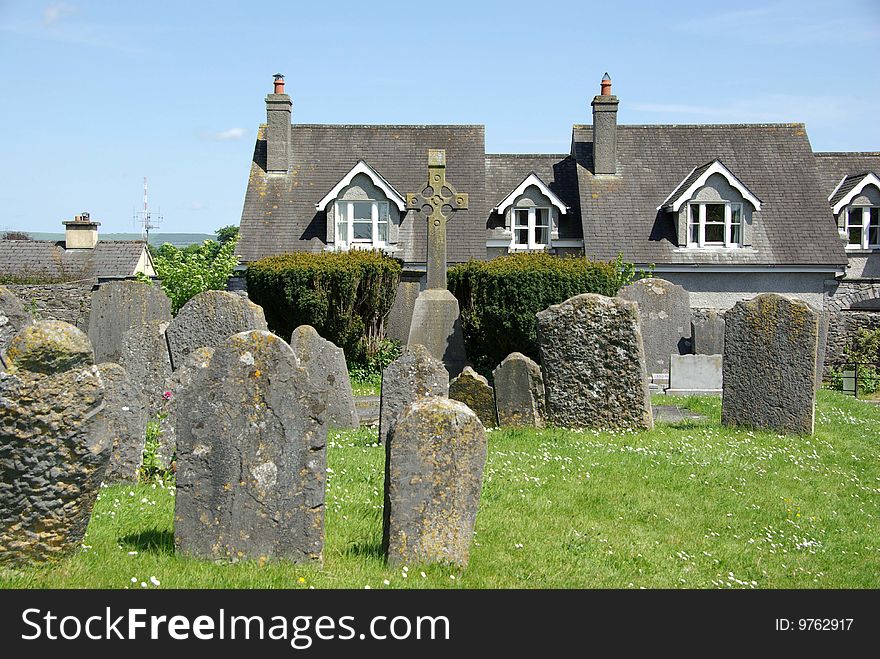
x: 217, y: 446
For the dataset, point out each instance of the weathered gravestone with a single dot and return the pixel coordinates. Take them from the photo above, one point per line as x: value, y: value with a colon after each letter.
x: 593, y: 363
x: 707, y: 330
x: 144, y: 356
x: 433, y: 475
x: 770, y: 349
x: 251, y: 456
x: 435, y: 318
x: 13, y: 316
x: 413, y: 375
x: 188, y: 376
x: 119, y: 306
x: 665, y: 317
x: 126, y: 416
x: 208, y: 319
x: 473, y: 390
x: 695, y: 375
x: 54, y: 442
x: 325, y: 364
x: 519, y: 392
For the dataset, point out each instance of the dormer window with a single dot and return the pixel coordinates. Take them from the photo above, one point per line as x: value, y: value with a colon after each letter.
x: 363, y: 223
x: 531, y: 228
x: 714, y: 224
x: 862, y: 227
x: 363, y: 211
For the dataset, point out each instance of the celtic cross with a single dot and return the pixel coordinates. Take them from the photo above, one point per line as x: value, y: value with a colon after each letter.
x: 437, y: 196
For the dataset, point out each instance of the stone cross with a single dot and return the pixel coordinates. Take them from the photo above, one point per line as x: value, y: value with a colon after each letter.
x: 437, y: 195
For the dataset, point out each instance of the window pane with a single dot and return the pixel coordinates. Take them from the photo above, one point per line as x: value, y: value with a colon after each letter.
x: 542, y: 217
x: 714, y: 233
x: 363, y: 230
x: 695, y: 213
x: 342, y: 232
x: 694, y: 234
x: 521, y: 236
x: 735, y: 234
x: 874, y: 227
x: 542, y: 235
x: 363, y: 210
x: 714, y: 213
x: 521, y: 218
x: 383, y: 232
x: 855, y: 235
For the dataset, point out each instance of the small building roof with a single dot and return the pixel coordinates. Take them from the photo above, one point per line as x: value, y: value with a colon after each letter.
x: 109, y: 259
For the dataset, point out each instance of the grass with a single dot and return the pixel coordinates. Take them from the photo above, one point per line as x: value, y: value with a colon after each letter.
x: 367, y: 386
x: 692, y: 505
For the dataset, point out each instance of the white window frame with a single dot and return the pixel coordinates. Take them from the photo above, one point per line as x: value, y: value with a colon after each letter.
x: 532, y: 244
x: 863, y: 223
x: 701, y: 242
x: 379, y: 214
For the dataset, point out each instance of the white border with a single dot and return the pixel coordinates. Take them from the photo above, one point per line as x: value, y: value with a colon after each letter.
x: 717, y: 167
x: 378, y: 180
x: 531, y: 179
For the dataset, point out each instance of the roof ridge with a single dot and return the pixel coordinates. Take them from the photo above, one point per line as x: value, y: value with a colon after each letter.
x: 528, y: 155
x: 847, y: 153
x: 483, y: 126
x: 758, y: 125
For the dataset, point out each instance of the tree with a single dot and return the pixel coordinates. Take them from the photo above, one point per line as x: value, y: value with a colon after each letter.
x: 16, y: 235
x: 187, y: 272
x: 227, y: 233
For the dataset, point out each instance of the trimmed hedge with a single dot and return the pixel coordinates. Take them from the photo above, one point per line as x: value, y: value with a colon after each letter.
x: 500, y: 297
x: 345, y: 296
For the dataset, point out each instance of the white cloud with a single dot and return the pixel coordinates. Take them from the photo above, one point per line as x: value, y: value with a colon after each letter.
x: 56, y: 11
x: 227, y: 135
x: 196, y: 206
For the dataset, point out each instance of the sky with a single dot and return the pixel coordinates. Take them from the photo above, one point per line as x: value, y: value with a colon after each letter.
x: 96, y: 95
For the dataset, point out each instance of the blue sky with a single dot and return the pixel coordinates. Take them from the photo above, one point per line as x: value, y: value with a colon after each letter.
x: 97, y: 95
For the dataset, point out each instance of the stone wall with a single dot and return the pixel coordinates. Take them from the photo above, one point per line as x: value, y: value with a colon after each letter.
x: 842, y: 327
x: 70, y: 302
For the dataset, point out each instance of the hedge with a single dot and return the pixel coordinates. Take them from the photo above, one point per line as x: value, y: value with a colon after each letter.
x: 500, y: 297
x: 345, y: 296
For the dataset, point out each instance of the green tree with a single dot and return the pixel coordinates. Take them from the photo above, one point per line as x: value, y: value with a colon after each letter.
x: 186, y: 272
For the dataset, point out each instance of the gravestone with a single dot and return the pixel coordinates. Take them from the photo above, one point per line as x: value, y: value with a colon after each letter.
x: 665, y: 317
x: 126, y: 417
x: 594, y: 365
x: 400, y: 317
x: 413, y: 375
x: 770, y: 357
x: 435, y: 318
x: 13, y: 316
x: 695, y: 375
x: 144, y: 356
x: 186, y: 377
x: 433, y: 476
x: 208, y: 319
x: 251, y: 456
x: 119, y: 306
x: 325, y: 364
x: 707, y: 330
x: 473, y: 390
x: 54, y: 442
x: 519, y: 392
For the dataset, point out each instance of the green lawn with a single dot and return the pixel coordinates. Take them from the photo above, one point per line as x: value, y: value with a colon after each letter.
x: 692, y: 505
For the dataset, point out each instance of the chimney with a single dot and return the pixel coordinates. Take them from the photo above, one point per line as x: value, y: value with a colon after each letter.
x: 81, y: 232
x: 278, y: 107
x: 605, y: 130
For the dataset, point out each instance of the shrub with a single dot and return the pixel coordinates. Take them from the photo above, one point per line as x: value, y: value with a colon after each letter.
x: 865, y: 351
x: 499, y: 298
x: 186, y: 272
x: 345, y: 296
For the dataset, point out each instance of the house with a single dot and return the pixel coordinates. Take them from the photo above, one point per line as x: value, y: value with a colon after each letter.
x: 726, y: 211
x: 80, y: 257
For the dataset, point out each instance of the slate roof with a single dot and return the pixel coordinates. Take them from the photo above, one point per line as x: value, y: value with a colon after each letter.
x: 504, y: 172
x: 775, y: 161
x: 833, y: 166
x: 279, y: 214
x: 110, y: 259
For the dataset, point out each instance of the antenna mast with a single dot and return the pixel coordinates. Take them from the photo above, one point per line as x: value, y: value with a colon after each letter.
x: 145, y: 218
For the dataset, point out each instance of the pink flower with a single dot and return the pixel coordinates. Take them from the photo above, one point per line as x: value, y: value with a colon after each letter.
x: 166, y: 395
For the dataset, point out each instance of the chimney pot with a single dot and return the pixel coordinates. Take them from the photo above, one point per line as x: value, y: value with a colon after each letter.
x: 606, y: 85
x: 279, y: 83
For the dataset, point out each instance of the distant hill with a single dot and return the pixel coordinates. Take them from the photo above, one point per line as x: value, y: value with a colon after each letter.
x: 176, y: 239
